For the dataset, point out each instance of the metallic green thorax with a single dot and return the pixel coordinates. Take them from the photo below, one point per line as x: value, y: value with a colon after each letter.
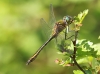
x: 61, y: 25
x: 58, y: 27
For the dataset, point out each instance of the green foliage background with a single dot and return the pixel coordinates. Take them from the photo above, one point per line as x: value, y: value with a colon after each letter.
x: 21, y: 36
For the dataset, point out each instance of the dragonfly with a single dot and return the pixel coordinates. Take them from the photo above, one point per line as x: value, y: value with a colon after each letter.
x: 59, y: 26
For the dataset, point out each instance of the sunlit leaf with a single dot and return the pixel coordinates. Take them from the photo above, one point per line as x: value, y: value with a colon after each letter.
x: 78, y: 72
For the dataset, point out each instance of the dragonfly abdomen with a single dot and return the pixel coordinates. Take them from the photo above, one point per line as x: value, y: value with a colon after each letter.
x: 39, y: 50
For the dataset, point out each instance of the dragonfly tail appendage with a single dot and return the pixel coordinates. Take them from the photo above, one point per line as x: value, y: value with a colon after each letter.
x: 38, y: 51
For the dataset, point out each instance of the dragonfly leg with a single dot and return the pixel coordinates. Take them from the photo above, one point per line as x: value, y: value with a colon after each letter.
x: 70, y: 37
x: 66, y: 31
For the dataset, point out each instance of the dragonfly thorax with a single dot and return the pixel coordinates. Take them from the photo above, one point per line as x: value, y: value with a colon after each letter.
x: 59, y: 26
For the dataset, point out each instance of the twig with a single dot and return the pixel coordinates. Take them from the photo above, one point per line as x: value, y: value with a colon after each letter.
x: 74, y: 42
x: 75, y: 62
x: 74, y: 54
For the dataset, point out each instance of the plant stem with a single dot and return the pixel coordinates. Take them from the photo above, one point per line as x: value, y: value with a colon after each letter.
x: 74, y: 42
x: 75, y: 62
x: 74, y: 54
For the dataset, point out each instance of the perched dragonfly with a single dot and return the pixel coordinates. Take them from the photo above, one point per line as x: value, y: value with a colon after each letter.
x: 59, y: 26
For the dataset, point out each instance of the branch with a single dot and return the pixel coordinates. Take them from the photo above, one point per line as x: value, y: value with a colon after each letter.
x: 74, y: 54
x: 74, y: 43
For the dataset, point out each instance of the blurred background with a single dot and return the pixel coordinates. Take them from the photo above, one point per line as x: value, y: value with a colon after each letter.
x: 21, y: 36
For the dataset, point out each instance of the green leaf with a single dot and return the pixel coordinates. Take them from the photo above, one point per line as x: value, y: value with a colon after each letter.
x: 78, y: 72
x: 97, y: 48
x: 79, y: 18
x: 99, y: 37
x: 88, y: 72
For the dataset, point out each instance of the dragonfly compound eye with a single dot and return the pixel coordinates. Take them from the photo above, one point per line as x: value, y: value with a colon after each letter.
x: 68, y: 19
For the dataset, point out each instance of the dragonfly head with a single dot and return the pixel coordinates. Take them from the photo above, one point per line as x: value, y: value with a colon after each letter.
x: 68, y: 19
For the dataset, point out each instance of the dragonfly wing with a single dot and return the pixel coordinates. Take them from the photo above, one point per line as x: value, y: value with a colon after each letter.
x: 47, y: 27
x: 52, y: 19
x: 46, y: 30
x: 43, y: 22
x: 65, y: 35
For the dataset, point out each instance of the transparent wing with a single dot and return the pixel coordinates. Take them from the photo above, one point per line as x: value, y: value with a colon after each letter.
x: 46, y: 30
x: 43, y: 22
x: 52, y: 19
x: 47, y: 27
x: 65, y: 35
